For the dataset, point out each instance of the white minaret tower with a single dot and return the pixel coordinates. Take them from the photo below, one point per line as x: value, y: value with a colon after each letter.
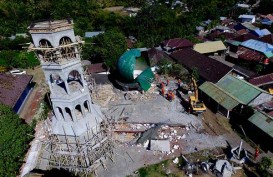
x: 75, y: 129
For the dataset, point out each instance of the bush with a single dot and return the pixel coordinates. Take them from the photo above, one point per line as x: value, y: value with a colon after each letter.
x: 14, y: 138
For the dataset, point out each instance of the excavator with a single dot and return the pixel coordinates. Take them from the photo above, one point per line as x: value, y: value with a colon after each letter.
x: 196, y: 106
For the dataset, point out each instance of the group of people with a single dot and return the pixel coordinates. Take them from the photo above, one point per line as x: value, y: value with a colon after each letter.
x: 170, y: 95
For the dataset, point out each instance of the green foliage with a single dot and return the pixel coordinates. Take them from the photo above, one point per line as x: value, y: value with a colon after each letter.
x: 164, y: 66
x: 109, y: 47
x: 195, y: 73
x: 18, y: 59
x: 14, y: 139
x: 258, y: 68
x: 263, y: 166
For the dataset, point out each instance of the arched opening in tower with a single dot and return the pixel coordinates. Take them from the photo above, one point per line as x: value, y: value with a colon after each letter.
x: 66, y: 49
x: 46, y: 53
x: 60, y: 112
x: 86, y: 106
x: 68, y: 114
x: 78, y: 111
x: 58, y: 84
x: 74, y: 81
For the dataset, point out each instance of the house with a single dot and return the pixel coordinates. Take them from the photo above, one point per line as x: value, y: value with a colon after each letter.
x: 251, y: 50
x: 14, y: 89
x: 230, y: 92
x: 267, y: 20
x: 156, y: 56
x: 234, y: 43
x: 260, y: 129
x: 216, y: 34
x: 267, y: 39
x: 241, y: 72
x: 249, y: 27
x: 92, y: 34
x: 208, y: 69
x: 265, y: 81
x: 96, y: 68
x: 171, y: 45
x: 210, y: 47
x: 247, y: 18
x: 261, y: 47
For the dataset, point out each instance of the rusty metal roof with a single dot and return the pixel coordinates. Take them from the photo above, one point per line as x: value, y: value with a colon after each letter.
x: 219, y: 95
x: 12, y: 87
x: 263, y: 122
x: 208, y: 68
x: 262, y: 80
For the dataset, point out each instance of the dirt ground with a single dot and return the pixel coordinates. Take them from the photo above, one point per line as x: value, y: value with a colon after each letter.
x: 36, y: 96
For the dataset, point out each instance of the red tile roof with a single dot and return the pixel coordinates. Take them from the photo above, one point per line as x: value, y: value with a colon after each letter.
x: 96, y: 68
x: 248, y: 54
x: 208, y: 68
x: 177, y: 43
x: 267, y: 39
x: 12, y: 87
x: 262, y: 80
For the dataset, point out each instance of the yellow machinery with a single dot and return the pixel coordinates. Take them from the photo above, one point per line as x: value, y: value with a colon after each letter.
x: 270, y: 90
x: 196, y: 105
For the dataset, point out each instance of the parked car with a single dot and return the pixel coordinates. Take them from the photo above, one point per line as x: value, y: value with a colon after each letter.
x: 17, y: 72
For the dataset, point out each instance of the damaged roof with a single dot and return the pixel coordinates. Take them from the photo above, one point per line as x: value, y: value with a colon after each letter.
x: 208, y: 68
x: 12, y: 87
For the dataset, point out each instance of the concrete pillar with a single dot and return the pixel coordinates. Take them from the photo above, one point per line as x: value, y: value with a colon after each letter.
x: 66, y: 86
x: 50, y: 85
x: 73, y: 113
x: 83, y: 110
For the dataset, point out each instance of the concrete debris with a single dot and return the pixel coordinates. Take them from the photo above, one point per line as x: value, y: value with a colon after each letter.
x: 103, y: 94
x: 176, y: 160
x: 160, y: 145
x: 224, y: 168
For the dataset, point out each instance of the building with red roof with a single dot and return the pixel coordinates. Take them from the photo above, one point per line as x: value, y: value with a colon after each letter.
x: 171, y: 45
x: 14, y: 89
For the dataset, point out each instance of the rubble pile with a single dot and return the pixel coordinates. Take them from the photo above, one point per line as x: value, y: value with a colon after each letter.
x: 102, y: 94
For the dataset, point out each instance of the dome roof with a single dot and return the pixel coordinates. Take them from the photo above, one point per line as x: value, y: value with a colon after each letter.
x: 126, y: 64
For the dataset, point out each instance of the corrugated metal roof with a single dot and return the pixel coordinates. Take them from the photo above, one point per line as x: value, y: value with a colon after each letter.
x: 257, y: 45
x: 209, y: 47
x: 92, y: 34
x: 262, y: 80
x: 233, y: 42
x: 208, y: 68
x: 263, y: 122
x: 240, y: 89
x: 219, y: 95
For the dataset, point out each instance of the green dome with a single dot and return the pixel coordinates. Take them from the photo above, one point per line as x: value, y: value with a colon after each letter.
x: 126, y: 64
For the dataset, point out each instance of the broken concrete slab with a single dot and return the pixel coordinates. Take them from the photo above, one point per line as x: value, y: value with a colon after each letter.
x: 160, y: 145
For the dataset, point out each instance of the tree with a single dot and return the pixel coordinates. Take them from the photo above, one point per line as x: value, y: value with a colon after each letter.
x: 14, y: 138
x: 263, y: 166
x: 195, y: 73
x: 110, y: 46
